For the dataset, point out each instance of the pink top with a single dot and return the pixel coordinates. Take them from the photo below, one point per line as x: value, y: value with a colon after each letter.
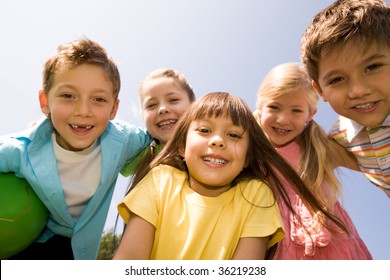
x: 317, y: 243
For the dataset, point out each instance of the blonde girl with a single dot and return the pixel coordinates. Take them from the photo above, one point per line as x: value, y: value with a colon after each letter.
x: 286, y: 104
x: 164, y: 95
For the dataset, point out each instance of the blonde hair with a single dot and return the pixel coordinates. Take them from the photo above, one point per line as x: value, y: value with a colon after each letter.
x: 181, y: 80
x: 169, y: 73
x: 316, y: 163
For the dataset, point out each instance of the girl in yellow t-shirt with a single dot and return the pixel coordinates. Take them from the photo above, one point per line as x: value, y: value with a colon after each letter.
x: 209, y: 192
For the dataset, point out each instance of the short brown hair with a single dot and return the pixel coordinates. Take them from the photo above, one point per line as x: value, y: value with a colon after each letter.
x: 344, y: 21
x: 73, y: 54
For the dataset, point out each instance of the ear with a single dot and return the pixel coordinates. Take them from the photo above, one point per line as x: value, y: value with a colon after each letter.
x: 114, y: 109
x: 181, y: 152
x: 44, y: 102
x: 246, y: 163
x: 312, y: 114
x: 257, y: 115
x: 319, y: 91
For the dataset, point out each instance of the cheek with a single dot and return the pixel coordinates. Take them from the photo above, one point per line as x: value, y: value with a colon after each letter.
x: 264, y: 119
x: 301, y: 125
x: 148, y: 120
x: 182, y: 109
x: 192, y: 145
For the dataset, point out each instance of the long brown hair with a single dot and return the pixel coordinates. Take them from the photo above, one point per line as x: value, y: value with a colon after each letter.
x: 264, y: 163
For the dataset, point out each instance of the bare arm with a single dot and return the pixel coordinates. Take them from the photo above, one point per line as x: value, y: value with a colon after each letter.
x: 137, y: 240
x: 251, y: 248
x: 343, y: 157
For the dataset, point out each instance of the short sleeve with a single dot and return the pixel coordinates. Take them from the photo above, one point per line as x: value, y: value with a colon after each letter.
x: 142, y: 200
x: 264, y: 217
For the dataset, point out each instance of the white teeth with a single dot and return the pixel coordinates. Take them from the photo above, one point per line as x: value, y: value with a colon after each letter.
x: 365, y: 106
x: 281, y: 130
x: 215, y: 160
x: 86, y: 127
x: 167, y: 122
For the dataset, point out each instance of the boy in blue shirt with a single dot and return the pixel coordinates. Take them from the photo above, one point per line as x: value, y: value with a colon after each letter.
x: 72, y: 157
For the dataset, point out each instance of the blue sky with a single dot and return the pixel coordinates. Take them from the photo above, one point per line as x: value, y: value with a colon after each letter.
x: 220, y: 45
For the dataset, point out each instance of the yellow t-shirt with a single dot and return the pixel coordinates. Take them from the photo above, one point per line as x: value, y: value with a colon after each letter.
x: 191, y: 226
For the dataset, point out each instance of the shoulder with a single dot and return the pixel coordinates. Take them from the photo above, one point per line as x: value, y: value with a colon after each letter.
x: 130, y: 167
x: 162, y: 179
x: 339, y: 130
x: 122, y: 126
x: 122, y: 130
x: 164, y: 175
x: 39, y: 132
x: 336, y: 127
x: 257, y: 192
x: 25, y: 146
x: 167, y: 172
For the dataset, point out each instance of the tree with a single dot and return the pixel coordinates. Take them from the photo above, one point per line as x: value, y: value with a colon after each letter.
x: 108, y: 245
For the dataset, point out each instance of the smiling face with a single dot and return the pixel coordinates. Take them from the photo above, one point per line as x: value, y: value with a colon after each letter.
x: 215, y: 154
x: 80, y: 104
x: 355, y: 81
x: 163, y: 102
x: 283, y: 118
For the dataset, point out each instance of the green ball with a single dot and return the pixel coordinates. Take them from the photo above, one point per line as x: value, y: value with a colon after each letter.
x: 22, y: 215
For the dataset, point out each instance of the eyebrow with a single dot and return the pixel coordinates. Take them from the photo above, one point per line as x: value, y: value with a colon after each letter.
x: 364, y: 61
x: 375, y: 56
x: 75, y: 88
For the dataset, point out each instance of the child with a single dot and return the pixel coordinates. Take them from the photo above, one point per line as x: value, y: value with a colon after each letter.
x: 286, y: 104
x: 346, y: 50
x: 164, y: 95
x: 72, y: 157
x: 206, y: 194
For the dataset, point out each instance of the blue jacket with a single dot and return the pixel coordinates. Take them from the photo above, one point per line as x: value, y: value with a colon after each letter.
x: 31, y: 156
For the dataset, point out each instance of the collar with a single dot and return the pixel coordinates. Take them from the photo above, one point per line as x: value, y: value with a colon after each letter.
x: 353, y: 128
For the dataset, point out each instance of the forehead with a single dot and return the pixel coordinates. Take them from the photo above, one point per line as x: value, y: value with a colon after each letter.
x: 160, y: 84
x: 160, y: 87
x: 296, y: 97
x: 350, y: 52
x: 86, y: 77
x: 83, y: 72
x: 218, y: 121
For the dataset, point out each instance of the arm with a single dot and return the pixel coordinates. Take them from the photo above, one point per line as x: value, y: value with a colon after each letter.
x: 343, y: 157
x: 11, y: 154
x: 251, y: 248
x: 137, y: 240
x: 130, y: 167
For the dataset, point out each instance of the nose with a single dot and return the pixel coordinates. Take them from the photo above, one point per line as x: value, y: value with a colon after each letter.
x: 358, y: 88
x: 163, y: 109
x: 283, y: 118
x: 217, y: 142
x: 83, y: 108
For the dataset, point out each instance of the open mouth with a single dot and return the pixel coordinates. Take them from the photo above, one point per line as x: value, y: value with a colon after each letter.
x: 365, y: 106
x: 281, y: 131
x: 166, y: 123
x: 216, y: 161
x: 80, y: 128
